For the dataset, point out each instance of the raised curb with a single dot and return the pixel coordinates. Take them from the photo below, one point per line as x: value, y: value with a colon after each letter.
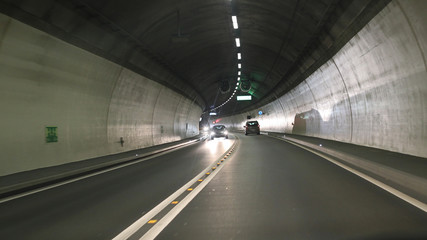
x: 405, y: 182
x: 72, y: 173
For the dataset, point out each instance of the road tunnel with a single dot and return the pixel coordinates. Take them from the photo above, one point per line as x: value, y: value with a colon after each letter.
x: 85, y: 83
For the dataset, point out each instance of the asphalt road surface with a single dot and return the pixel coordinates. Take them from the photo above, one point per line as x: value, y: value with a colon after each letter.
x: 266, y: 189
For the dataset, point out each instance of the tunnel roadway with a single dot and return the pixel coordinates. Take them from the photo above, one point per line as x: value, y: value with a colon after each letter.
x: 266, y: 189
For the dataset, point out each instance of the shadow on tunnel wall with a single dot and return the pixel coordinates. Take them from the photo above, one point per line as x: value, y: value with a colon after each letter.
x: 307, y: 122
x: 336, y: 126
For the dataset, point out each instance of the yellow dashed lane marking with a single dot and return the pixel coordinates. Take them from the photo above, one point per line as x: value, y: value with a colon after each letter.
x: 171, y: 215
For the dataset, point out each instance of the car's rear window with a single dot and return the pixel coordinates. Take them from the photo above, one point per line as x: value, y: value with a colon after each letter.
x: 252, y: 123
x: 219, y: 127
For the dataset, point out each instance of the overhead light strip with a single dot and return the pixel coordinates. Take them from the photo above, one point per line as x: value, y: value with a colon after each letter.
x: 234, y: 19
x: 238, y: 42
x: 239, y: 65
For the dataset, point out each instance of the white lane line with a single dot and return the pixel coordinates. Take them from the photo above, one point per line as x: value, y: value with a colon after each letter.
x: 129, y: 231
x: 165, y: 220
x: 397, y: 193
x: 144, y: 219
x: 89, y: 175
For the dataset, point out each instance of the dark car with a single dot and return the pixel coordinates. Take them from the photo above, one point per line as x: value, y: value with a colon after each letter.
x: 252, y: 127
x: 219, y: 131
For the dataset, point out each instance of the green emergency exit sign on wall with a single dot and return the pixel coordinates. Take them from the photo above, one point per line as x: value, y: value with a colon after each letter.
x: 51, y: 134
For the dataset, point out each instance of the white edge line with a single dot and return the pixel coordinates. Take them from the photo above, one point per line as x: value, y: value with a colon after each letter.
x: 129, y: 231
x: 384, y: 186
x: 165, y: 220
x: 91, y: 175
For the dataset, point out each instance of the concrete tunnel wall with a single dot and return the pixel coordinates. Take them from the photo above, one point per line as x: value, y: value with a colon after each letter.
x: 93, y: 102
x: 373, y: 92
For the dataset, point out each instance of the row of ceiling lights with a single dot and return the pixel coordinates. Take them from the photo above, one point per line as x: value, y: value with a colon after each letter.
x: 239, y: 65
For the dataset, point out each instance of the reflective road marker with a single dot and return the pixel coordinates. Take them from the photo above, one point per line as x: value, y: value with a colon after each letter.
x: 171, y: 214
x: 158, y: 228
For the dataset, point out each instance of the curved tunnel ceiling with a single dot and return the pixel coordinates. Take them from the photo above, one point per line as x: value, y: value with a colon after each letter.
x: 189, y: 45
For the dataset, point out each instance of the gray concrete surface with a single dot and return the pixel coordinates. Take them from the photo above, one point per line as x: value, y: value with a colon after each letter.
x: 45, y: 82
x: 405, y: 173
x: 267, y: 189
x: 274, y: 190
x: 14, y: 184
x: 101, y: 206
x: 373, y: 92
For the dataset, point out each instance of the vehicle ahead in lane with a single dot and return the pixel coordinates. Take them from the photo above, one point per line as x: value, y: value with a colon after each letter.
x: 219, y: 131
x: 252, y: 127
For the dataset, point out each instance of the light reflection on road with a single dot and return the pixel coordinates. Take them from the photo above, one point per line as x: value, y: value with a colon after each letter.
x: 218, y: 146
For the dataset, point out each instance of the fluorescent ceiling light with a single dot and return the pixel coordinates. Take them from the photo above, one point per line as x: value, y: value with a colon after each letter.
x: 239, y: 65
x: 236, y: 87
x: 237, y: 84
x: 238, y: 73
x: 244, y: 98
x: 234, y: 19
x: 212, y: 113
x: 239, y: 56
x: 238, y: 42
